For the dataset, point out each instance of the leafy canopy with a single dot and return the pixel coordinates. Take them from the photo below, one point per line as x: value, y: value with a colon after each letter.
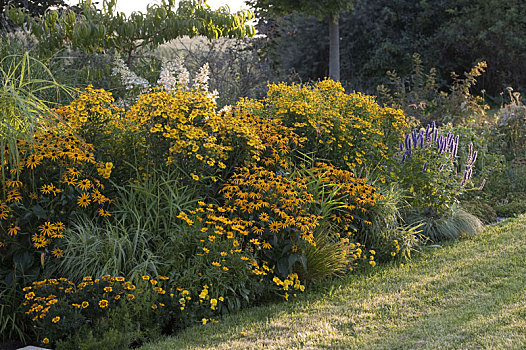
x: 90, y: 29
x: 320, y: 8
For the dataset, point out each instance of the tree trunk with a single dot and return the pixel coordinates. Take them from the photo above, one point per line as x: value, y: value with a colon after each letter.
x: 334, y: 48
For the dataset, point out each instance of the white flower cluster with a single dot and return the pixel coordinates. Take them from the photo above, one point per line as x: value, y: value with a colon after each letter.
x: 174, y: 76
x: 129, y: 79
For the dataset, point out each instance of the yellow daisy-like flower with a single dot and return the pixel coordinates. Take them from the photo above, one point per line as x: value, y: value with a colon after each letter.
x: 274, y: 226
x: 263, y: 217
x: 84, y: 304
x: 47, y: 229
x: 108, y: 289
x: 84, y: 184
x: 32, y: 162
x: 104, y: 213
x: 103, y: 303
x: 131, y: 296
x: 13, y: 230
x: 45, y: 341
x: 83, y: 200
x: 56, y: 319
x: 195, y: 177
x: 57, y: 252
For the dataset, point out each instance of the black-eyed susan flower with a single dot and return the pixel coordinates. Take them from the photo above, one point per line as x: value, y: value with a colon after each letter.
x: 103, y: 304
x: 13, y: 230
x: 83, y: 200
x: 46, y: 229
x: 84, y: 184
x: 57, y: 252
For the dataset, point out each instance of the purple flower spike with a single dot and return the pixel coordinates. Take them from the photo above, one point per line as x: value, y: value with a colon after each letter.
x: 435, y: 135
x: 474, y: 157
x: 470, y: 172
x: 401, y: 146
x: 424, y: 168
x: 407, y: 142
x: 455, y: 149
x: 441, y: 167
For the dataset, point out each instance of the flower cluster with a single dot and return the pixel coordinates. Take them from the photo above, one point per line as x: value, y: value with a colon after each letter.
x: 59, y: 306
x: 57, y: 177
x: 292, y: 282
x: 95, y: 109
x: 355, y: 196
x: 346, y: 129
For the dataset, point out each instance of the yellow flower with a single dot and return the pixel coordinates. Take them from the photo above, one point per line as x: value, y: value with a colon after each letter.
x: 146, y: 277
x: 45, y: 341
x: 84, y: 184
x: 13, y: 230
x: 103, y: 303
x: 372, y: 263
x: 204, y: 320
x: 83, y: 200
x: 56, y: 319
x: 57, y: 253
x: 46, y: 229
x: 108, y: 289
x: 195, y: 177
x: 84, y: 304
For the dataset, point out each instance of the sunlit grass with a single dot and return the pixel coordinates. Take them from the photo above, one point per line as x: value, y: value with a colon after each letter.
x: 468, y: 294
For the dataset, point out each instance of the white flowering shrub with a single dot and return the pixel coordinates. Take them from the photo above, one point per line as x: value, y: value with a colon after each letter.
x: 173, y: 76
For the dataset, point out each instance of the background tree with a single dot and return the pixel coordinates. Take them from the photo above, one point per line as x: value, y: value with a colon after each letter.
x: 34, y: 8
x: 320, y: 9
x: 382, y: 35
x: 91, y: 29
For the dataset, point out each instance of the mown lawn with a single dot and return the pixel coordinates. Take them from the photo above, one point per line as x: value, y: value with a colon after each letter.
x: 468, y: 294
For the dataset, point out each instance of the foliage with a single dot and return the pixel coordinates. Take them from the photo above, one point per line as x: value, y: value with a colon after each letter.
x: 92, y: 29
x: 481, y: 210
x: 31, y: 7
x: 318, y: 8
x: 419, y: 96
x: 387, y: 233
x: 511, y: 121
x: 25, y: 83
